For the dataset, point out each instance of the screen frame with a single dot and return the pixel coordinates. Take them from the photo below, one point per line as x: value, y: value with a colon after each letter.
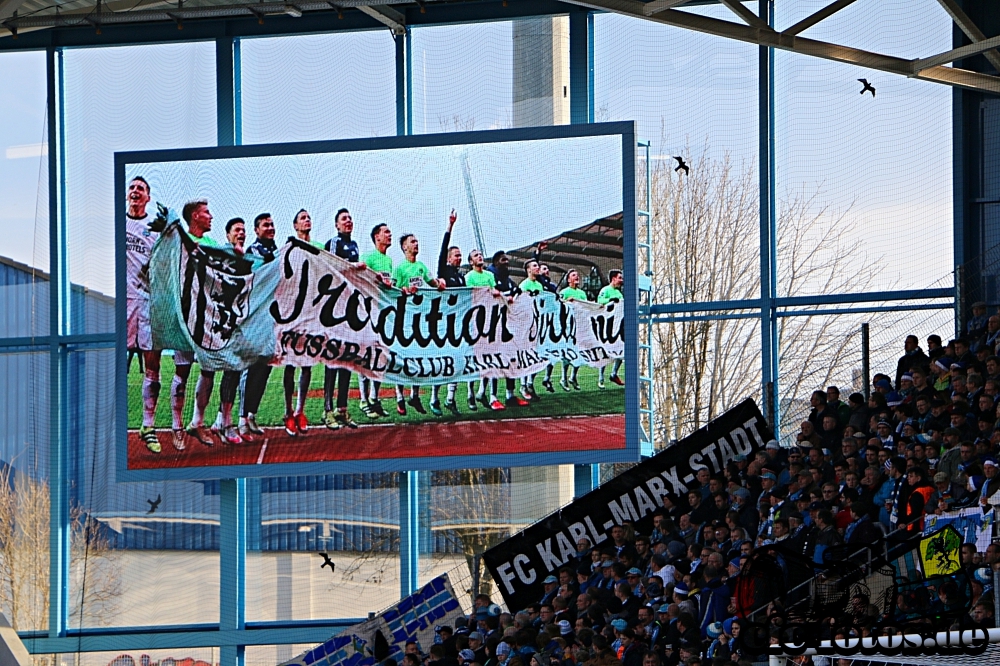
x: 631, y: 451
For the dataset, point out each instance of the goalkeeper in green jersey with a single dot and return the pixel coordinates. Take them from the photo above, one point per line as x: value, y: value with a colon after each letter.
x: 571, y: 293
x: 612, y: 292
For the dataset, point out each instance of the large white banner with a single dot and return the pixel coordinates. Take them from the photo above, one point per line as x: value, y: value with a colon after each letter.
x: 310, y: 307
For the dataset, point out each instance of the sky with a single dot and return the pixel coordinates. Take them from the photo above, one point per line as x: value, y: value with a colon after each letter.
x: 885, y: 163
x: 524, y: 191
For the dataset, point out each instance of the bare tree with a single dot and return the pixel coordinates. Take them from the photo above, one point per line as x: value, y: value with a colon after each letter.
x: 95, y: 575
x: 705, y: 226
x: 473, y: 512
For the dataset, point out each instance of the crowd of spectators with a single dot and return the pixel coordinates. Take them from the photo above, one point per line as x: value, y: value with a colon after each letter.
x: 925, y: 441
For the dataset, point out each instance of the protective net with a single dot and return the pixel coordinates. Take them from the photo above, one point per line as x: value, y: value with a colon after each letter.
x: 864, y: 203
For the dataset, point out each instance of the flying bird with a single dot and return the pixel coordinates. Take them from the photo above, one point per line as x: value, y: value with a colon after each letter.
x: 154, y: 505
x: 867, y: 87
x: 681, y: 165
x: 328, y: 562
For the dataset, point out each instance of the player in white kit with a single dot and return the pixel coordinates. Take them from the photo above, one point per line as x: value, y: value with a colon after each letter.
x: 141, y: 232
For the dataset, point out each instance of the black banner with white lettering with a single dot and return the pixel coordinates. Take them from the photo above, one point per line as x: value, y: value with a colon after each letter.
x: 520, y: 563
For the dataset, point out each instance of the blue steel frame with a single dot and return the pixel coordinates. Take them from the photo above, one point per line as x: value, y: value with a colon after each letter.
x: 238, y: 499
x: 624, y: 130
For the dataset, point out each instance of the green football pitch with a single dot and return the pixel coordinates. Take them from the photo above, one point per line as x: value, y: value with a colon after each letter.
x: 589, y: 400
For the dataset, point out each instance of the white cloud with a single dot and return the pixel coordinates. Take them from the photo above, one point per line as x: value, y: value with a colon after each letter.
x: 27, y: 150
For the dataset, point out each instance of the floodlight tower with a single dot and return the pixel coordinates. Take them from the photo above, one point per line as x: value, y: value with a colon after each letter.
x: 470, y: 194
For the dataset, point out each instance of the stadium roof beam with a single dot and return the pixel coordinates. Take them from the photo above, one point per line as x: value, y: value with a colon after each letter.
x: 952, y: 76
x: 966, y: 25
x: 818, y: 16
x: 8, y: 7
x: 957, y: 54
x: 385, y: 14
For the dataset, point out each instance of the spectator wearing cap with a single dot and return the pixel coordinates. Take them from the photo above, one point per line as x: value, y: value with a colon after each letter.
x: 658, y: 629
x: 990, y: 484
x: 502, y: 653
x: 684, y: 600
x: 947, y: 496
x: 913, y: 356
x: 886, y: 437
x: 775, y: 456
x: 742, y: 505
x: 905, y: 388
x: 941, y: 372
x: 551, y: 586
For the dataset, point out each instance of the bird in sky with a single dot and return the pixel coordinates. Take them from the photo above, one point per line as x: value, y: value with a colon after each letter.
x: 154, y: 505
x: 327, y: 562
x: 867, y: 87
x: 681, y: 165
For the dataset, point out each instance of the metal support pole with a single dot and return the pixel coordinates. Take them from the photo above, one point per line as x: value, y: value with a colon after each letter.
x: 59, y: 324
x: 996, y: 599
x: 585, y: 479
x: 409, y: 482
x: 404, y: 84
x: 232, y: 564
x: 866, y: 368
x: 581, y: 110
x: 768, y: 227
x: 409, y: 531
x: 959, y: 299
x: 581, y: 67
x: 233, y: 492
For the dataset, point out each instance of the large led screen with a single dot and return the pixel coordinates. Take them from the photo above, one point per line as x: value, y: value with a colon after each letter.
x: 409, y: 303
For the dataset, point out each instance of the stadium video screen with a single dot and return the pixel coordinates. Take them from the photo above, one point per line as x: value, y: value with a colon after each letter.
x: 408, y: 303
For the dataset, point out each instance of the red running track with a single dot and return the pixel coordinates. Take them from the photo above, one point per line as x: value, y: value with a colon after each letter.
x: 375, y: 442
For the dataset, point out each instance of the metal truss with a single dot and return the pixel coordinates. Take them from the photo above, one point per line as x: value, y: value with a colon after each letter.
x: 755, y: 31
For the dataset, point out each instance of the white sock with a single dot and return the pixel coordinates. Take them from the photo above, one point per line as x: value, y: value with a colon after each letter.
x: 178, y: 389
x: 150, y: 395
x: 399, y: 393
x: 202, y: 394
x: 451, y: 392
x: 226, y: 414
x: 435, y: 392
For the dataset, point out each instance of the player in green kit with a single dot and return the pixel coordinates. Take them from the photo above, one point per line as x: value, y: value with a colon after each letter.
x: 478, y: 277
x: 612, y: 292
x: 571, y: 293
x: 409, y: 276
x: 532, y: 286
x: 295, y: 420
x: 379, y: 261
